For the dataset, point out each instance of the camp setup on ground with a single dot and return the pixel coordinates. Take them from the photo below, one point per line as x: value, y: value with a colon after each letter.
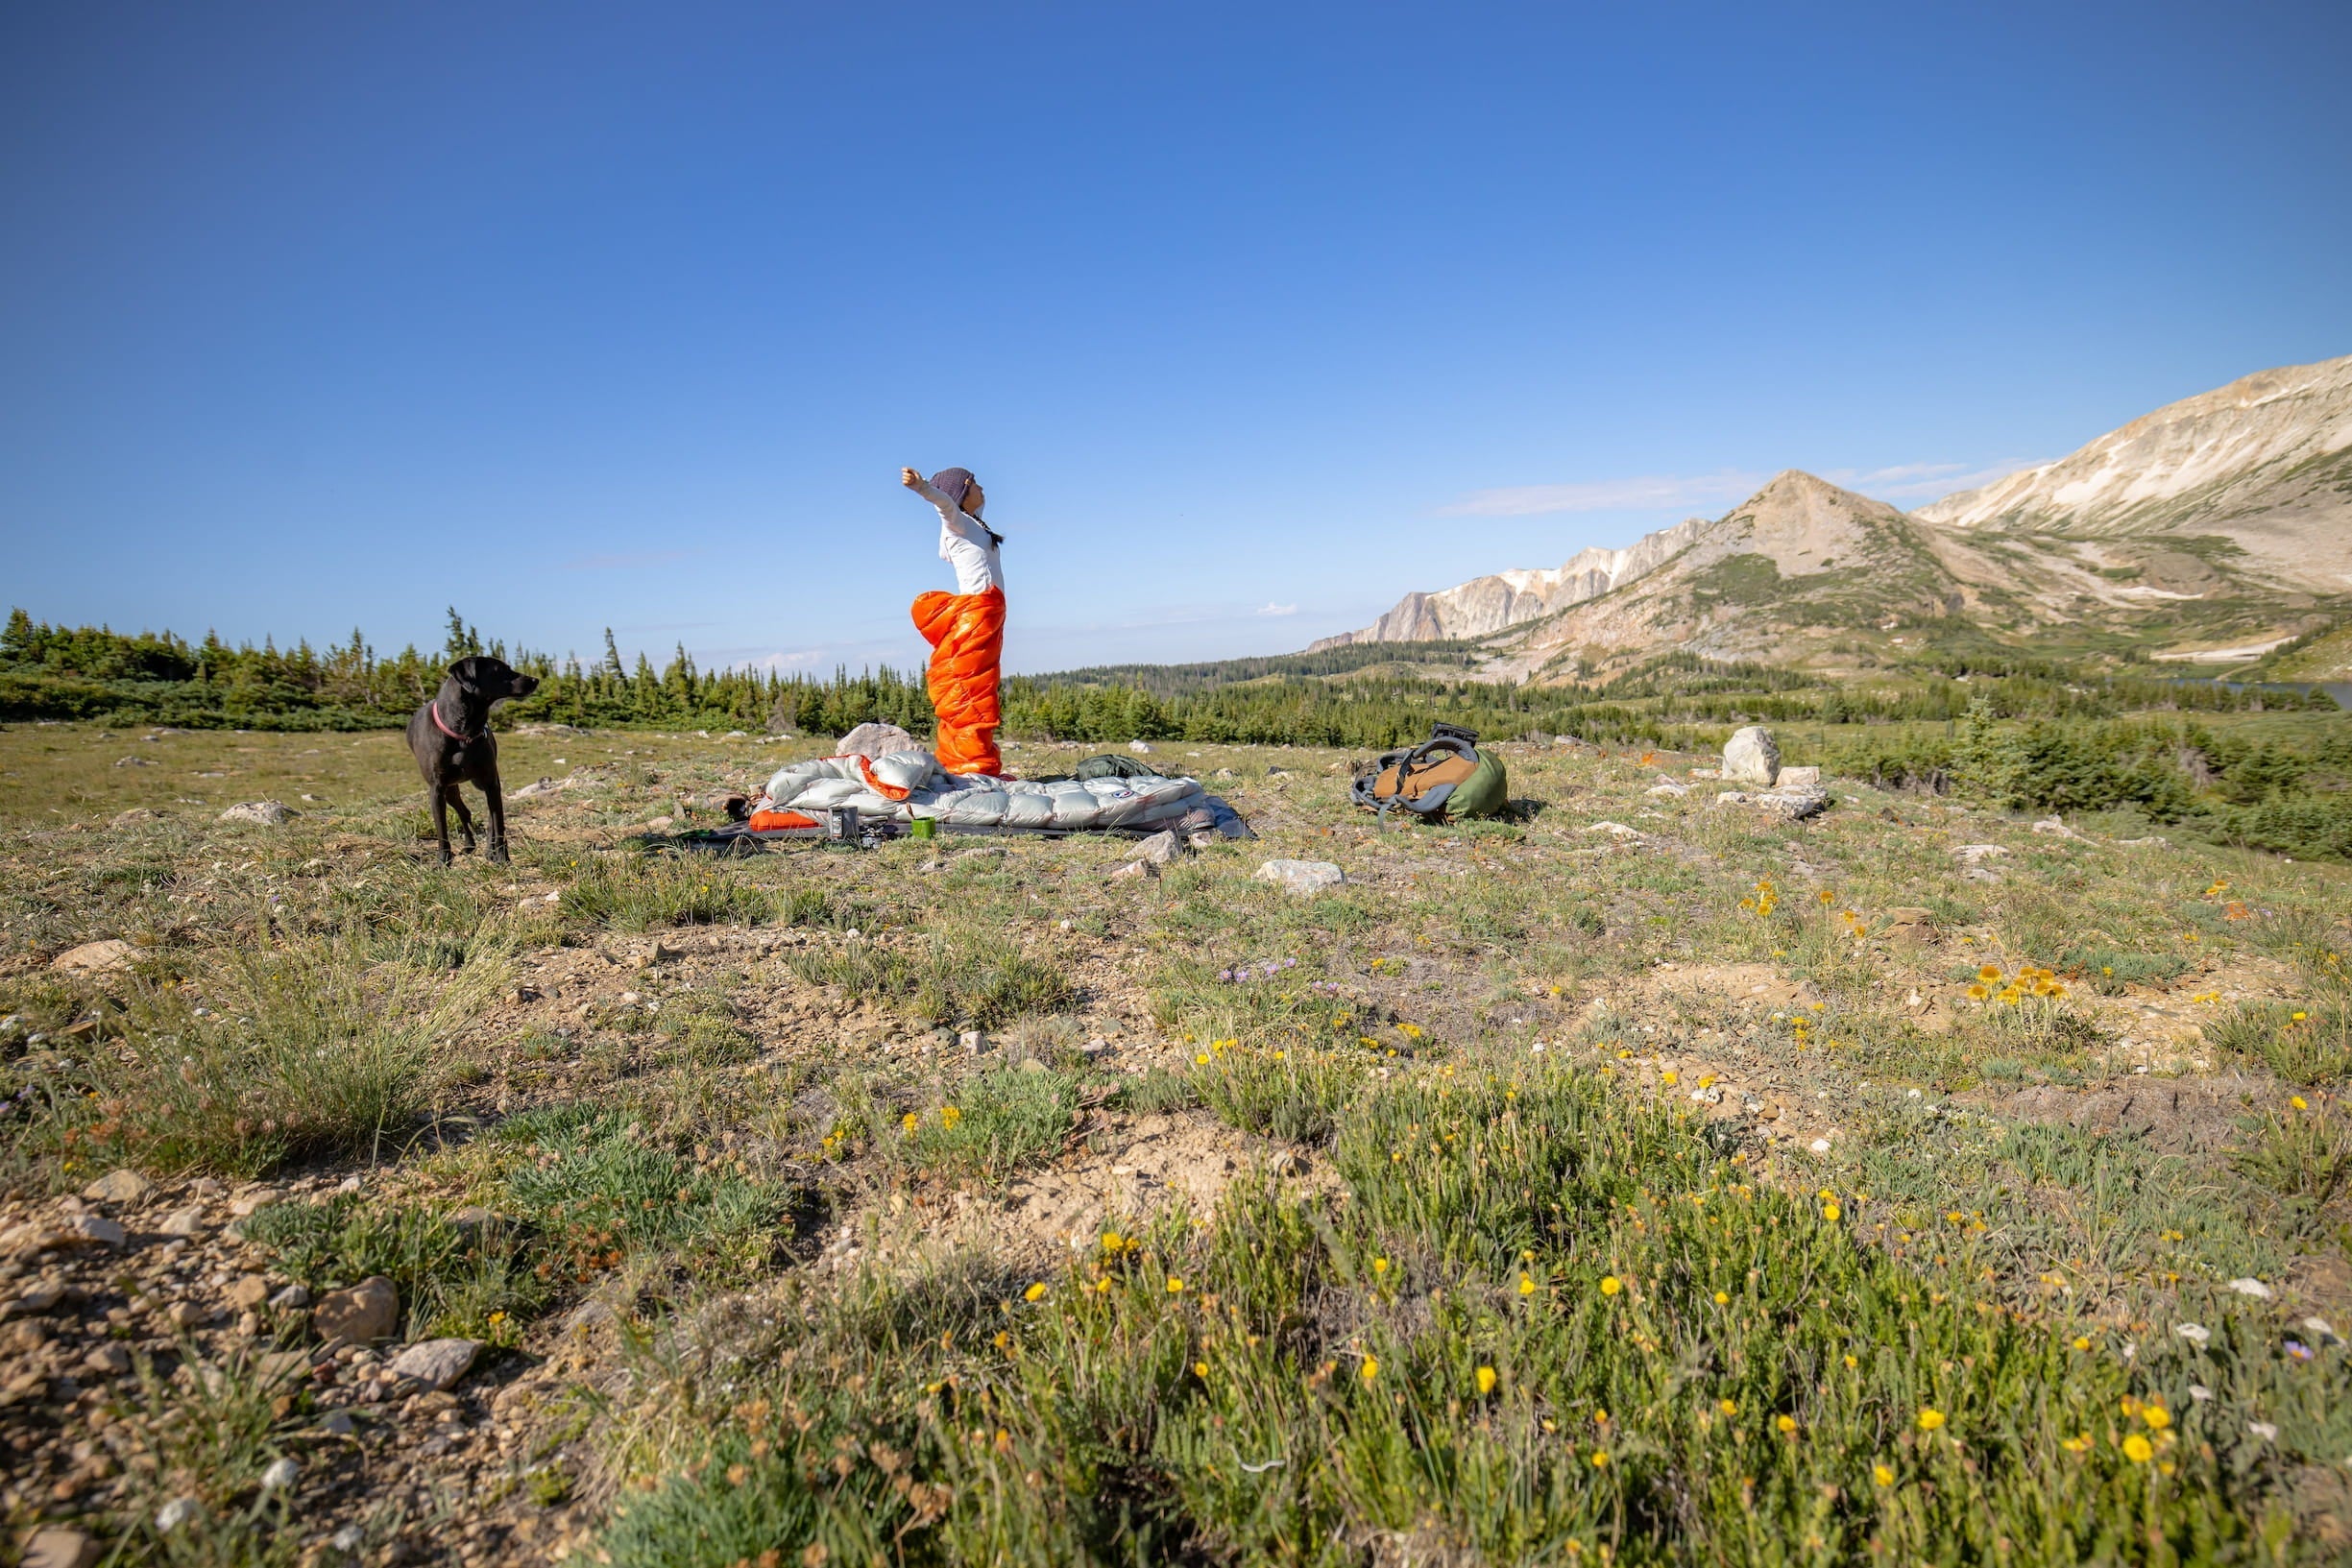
x: 857, y: 798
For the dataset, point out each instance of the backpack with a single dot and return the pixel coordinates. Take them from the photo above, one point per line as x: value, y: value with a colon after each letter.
x: 1446, y: 776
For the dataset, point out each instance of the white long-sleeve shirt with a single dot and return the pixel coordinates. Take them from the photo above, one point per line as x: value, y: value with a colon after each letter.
x: 965, y: 543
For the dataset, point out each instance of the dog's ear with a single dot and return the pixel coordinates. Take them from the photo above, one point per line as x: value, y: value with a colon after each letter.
x: 467, y: 672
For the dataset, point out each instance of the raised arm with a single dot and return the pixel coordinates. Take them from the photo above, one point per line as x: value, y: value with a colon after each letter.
x: 949, y: 512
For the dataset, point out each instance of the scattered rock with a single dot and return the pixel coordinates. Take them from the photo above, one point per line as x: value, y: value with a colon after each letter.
x: 261, y: 813
x: 40, y: 1297
x: 1752, y: 756
x: 291, y: 1299
x: 106, y: 1361
x: 1135, y: 871
x: 134, y: 816
x: 1973, y: 853
x: 338, y: 1424
x: 1139, y: 748
x: 96, y: 957
x: 247, y: 1291
x: 1799, y: 778
x: 1303, y: 877
x: 437, y: 1364
x: 2252, y: 1287
x: 874, y: 739
x: 282, y: 1472
x: 975, y: 1043
x: 1914, y: 926
x: 253, y: 1200
x: 1796, y: 804
x: 2055, y: 828
x: 93, y: 1230
x: 179, y: 1510
x: 367, y: 1311
x: 1734, y: 797
x: 1669, y: 788
x: 1159, y: 849
x: 544, y: 786
x: 1615, y: 829
x: 183, y: 1223
x: 57, y: 1547
x: 118, y: 1187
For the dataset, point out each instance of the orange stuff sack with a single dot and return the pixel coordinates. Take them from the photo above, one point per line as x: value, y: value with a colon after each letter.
x: 766, y: 821
x: 966, y: 634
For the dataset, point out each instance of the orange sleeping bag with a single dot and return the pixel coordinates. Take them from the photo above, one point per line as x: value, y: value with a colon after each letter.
x: 966, y: 634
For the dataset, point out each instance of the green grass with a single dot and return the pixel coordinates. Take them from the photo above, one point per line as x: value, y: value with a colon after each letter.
x: 2310, y: 1043
x: 292, y: 1055
x: 969, y: 980
x: 1565, y: 1318
x: 996, y: 1124
x: 473, y: 1281
x: 597, y: 1186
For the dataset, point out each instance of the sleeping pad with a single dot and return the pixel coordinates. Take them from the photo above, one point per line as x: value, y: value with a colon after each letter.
x: 903, y: 786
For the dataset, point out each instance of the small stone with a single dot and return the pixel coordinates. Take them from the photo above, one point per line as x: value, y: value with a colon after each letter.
x: 339, y: 1424
x: 260, y: 813
x: 2251, y: 1286
x: 1159, y: 849
x: 1139, y: 748
x: 1799, y: 778
x: 93, y: 1230
x: 57, y: 1547
x: 1752, y: 756
x: 177, y: 1513
x: 1302, y: 878
x: 39, y: 1297
x: 368, y: 1310
x: 292, y: 1298
x: 349, y: 1184
x: 96, y: 957
x: 349, y: 1536
x: 874, y: 738
x: 1135, y: 871
x: 280, y: 1473
x: 185, y: 1314
x: 248, y: 1291
x: 437, y: 1364
x: 246, y: 1203
x: 184, y: 1222
x: 106, y: 1361
x: 975, y: 1043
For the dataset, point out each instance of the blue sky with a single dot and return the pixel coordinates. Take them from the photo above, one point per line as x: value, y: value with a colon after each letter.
x: 1251, y: 317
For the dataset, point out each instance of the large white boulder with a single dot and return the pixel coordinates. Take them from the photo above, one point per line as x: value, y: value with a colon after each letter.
x: 1752, y: 756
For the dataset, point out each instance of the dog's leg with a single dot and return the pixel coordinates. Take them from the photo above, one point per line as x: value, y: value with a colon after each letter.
x: 464, y: 818
x: 496, y: 798
x: 437, y: 799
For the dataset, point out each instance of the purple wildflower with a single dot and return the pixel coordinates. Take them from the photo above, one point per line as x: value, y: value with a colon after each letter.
x: 2299, y: 1350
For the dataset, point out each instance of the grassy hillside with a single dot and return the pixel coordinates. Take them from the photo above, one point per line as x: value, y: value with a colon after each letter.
x: 1676, y: 1192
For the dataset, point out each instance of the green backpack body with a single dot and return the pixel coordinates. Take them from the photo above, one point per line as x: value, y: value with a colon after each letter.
x: 1444, y: 777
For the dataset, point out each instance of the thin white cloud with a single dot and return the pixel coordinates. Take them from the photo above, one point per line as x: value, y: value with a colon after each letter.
x: 1648, y: 491
x: 1925, y: 481
x: 1901, y: 481
x: 1278, y: 610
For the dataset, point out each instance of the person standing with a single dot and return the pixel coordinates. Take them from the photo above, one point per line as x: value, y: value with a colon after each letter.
x: 966, y: 628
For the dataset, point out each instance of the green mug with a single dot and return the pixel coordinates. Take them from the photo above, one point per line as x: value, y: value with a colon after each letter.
x: 925, y: 827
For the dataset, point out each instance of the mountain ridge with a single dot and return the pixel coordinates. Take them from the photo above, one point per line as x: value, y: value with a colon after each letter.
x: 2214, y: 525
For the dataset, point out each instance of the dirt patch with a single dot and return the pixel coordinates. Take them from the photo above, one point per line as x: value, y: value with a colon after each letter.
x: 2180, y: 1115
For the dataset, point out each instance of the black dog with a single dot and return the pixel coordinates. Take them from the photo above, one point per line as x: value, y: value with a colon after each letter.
x: 450, y: 739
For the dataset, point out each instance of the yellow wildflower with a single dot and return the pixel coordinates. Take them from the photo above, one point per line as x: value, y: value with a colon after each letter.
x: 1728, y: 1406
x: 1829, y: 1211
x: 1787, y: 1423
x: 1610, y: 1285
x: 1723, y: 1298
x: 1882, y: 1475
x: 1035, y: 1292
x: 2138, y: 1449
x: 1486, y: 1380
x: 1527, y: 1286
x: 1600, y: 1458
x: 1176, y: 1287
x: 1371, y: 1369
x: 2157, y: 1418
x: 1989, y: 973
x: 2298, y: 1103
x: 1200, y: 1370
x: 910, y: 1121
x: 949, y: 1115
x: 1930, y: 1420
x: 1380, y: 1266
